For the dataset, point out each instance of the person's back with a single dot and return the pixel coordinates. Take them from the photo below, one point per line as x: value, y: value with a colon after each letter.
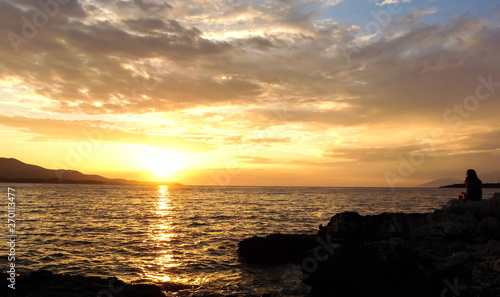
x: 474, y: 186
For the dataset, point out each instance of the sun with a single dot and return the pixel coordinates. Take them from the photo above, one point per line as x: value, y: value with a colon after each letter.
x: 163, y: 163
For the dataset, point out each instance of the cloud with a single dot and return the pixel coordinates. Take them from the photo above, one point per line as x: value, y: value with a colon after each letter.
x: 150, y: 24
x: 98, y: 132
x: 109, y: 75
x: 387, y: 2
x: 487, y: 141
x: 138, y: 63
x: 148, y: 6
x: 134, y: 7
x: 256, y: 160
x: 269, y: 140
x: 55, y: 9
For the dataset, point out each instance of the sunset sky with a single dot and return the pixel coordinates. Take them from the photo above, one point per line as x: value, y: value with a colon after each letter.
x: 261, y: 92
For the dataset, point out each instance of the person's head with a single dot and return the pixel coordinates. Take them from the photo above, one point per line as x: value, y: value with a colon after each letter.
x: 471, y: 173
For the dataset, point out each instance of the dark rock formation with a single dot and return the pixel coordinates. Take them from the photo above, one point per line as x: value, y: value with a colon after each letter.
x: 454, y: 251
x: 450, y: 252
x: 351, y: 225
x: 48, y: 284
x: 374, y: 268
x: 276, y: 248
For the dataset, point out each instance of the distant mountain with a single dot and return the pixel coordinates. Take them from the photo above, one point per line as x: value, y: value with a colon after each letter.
x: 13, y: 170
x: 489, y: 179
x: 441, y: 181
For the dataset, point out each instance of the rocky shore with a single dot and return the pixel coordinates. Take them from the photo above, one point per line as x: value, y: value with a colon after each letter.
x: 48, y: 284
x: 453, y: 251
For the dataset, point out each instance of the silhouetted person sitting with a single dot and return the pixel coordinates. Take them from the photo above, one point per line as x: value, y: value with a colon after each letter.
x: 473, y: 187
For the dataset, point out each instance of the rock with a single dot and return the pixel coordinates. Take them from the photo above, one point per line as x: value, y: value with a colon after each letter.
x: 489, y: 226
x: 452, y: 225
x: 476, y: 207
x: 351, y: 225
x: 46, y: 283
x: 487, y: 207
x: 410, y: 226
x: 276, y: 248
x: 496, y: 266
x: 492, y: 248
x: 495, y: 204
x: 461, y: 256
x: 479, y: 270
x: 396, y: 254
x: 386, y: 266
x: 345, y: 225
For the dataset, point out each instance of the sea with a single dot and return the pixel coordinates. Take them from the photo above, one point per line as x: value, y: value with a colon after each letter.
x: 184, y: 234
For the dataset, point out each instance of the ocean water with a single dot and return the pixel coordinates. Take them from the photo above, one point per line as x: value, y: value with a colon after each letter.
x: 186, y: 234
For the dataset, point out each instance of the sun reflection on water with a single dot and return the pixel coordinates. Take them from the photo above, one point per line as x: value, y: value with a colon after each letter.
x: 162, y: 233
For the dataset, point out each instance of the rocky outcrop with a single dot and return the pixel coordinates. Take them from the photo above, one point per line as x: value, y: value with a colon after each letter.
x: 351, y: 225
x: 489, y: 207
x: 48, y: 284
x: 398, y: 266
x: 276, y: 248
x: 450, y: 252
x: 454, y: 251
x: 440, y: 223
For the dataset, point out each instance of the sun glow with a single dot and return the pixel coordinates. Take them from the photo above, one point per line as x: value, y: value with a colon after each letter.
x: 164, y: 163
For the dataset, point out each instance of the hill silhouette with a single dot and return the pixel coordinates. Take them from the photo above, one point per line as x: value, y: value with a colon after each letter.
x: 440, y: 181
x: 13, y: 170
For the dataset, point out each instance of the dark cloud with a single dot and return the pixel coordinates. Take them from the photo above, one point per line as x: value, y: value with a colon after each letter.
x: 149, y: 25
x: 260, y: 43
x: 55, y: 8
x: 134, y: 6
x: 105, y: 38
x: 141, y: 61
x: 149, y: 6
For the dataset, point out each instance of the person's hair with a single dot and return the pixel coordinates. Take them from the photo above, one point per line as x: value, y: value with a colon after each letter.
x: 471, y: 174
